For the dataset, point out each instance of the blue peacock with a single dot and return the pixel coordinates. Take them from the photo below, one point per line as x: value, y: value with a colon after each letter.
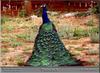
x: 49, y: 50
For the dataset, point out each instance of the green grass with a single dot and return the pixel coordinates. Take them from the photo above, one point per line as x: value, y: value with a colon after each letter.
x: 90, y: 22
x: 25, y: 37
x: 68, y: 32
x: 94, y: 34
x: 7, y: 40
x: 4, y: 19
x: 29, y: 34
x: 80, y: 49
x: 65, y: 31
x: 79, y: 32
x: 5, y: 35
x: 15, y: 44
x: 4, y: 50
x: 94, y: 30
x: 95, y: 38
x: 19, y: 60
x: 12, y: 42
x: 8, y: 28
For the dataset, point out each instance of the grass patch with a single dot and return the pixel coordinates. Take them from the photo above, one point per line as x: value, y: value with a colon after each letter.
x: 22, y: 36
x: 25, y: 37
x: 19, y: 61
x: 4, y: 50
x: 30, y: 34
x: 90, y: 22
x: 82, y: 14
x: 15, y: 44
x: 78, y: 32
x: 65, y: 32
x: 8, y: 28
x: 94, y: 34
x: 95, y: 38
x: 80, y: 49
x: 7, y: 40
x: 4, y: 19
x: 5, y: 35
x: 94, y: 30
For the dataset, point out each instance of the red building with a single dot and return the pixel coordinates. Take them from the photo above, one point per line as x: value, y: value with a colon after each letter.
x: 13, y: 6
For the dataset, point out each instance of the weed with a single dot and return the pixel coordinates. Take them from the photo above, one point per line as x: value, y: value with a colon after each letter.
x: 95, y: 38
x: 4, y: 50
x: 78, y: 32
x: 94, y: 30
x: 10, y: 28
x: 22, y: 36
x: 5, y: 35
x: 90, y: 23
x: 19, y: 60
x: 5, y: 40
x: 7, y: 28
x: 15, y: 44
x: 72, y: 33
x: 94, y: 34
x: 25, y: 37
x: 4, y: 19
x: 80, y: 49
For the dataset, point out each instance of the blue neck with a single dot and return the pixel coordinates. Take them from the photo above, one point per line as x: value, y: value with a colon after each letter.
x: 45, y: 16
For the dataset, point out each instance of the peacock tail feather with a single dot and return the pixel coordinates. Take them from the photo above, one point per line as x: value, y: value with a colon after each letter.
x: 49, y: 50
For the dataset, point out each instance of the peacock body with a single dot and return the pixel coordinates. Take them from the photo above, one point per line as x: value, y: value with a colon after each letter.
x: 49, y: 50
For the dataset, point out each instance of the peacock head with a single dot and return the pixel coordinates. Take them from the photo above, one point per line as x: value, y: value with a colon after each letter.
x: 44, y: 14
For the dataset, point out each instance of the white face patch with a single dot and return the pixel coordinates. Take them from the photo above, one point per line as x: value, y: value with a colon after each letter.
x: 44, y: 5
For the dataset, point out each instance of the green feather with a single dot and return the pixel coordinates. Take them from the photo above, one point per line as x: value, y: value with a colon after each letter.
x: 50, y: 51
x: 47, y: 27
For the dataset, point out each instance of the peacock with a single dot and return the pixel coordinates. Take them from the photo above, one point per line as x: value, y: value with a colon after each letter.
x: 49, y: 49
